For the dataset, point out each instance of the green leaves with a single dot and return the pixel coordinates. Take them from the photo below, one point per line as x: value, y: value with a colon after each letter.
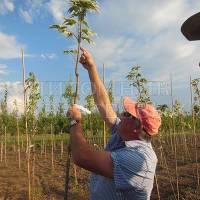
x: 164, y: 109
x: 85, y: 24
x: 63, y: 29
x: 196, y: 97
x: 69, y: 21
x: 87, y: 34
x: 87, y: 39
x: 79, y: 8
x: 76, y: 26
x: 140, y: 83
x: 72, y: 51
x: 196, y: 109
x: 90, y: 104
x: 177, y: 108
x: 110, y: 91
x: 5, y: 100
x: 34, y: 93
x: 69, y: 94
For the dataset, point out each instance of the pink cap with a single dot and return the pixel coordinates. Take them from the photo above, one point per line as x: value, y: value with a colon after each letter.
x: 146, y: 113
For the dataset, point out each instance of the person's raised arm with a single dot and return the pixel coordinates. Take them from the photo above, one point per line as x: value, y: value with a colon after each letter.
x: 99, y: 92
x: 83, y: 154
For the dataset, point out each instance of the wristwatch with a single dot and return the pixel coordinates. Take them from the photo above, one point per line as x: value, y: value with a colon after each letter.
x: 73, y: 123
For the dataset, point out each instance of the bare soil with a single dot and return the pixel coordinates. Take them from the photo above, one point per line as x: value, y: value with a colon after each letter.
x: 48, y: 183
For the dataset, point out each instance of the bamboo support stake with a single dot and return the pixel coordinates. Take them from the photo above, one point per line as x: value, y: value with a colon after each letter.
x: 75, y: 100
x: 29, y: 174
x: 52, y: 148
x: 22, y: 142
x: 5, y: 146
x: 104, y: 124
x: 18, y: 144
x: 157, y: 187
x: 45, y: 151
x: 61, y: 146
x: 175, y: 150
x: 2, y: 150
x: 25, y: 100
x: 26, y: 126
x: 168, y: 172
x: 41, y: 147
x: 43, y: 144
x: 194, y: 133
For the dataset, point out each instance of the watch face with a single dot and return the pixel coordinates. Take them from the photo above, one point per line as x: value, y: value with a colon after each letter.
x: 73, y: 122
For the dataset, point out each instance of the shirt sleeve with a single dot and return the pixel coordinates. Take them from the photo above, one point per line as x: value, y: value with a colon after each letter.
x: 129, y: 169
x: 115, y: 125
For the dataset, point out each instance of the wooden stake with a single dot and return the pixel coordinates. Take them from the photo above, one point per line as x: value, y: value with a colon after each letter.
x: 175, y: 142
x: 194, y: 133
x: 52, y: 148
x: 5, y: 146
x: 104, y: 124
x: 26, y: 127
x: 18, y: 144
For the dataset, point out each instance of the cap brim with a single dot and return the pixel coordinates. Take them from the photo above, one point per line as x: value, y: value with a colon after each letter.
x: 191, y: 27
x: 130, y: 106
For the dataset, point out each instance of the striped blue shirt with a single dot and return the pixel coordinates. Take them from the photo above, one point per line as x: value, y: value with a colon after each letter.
x: 134, y: 164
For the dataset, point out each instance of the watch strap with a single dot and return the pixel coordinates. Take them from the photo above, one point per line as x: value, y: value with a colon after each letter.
x: 73, y: 123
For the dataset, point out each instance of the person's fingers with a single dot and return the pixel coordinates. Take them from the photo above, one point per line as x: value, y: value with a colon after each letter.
x: 82, y: 60
x: 74, y: 108
x: 84, y: 51
x: 83, y: 56
x: 70, y: 110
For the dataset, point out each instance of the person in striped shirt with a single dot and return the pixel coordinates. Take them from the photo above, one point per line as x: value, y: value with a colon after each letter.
x: 125, y: 169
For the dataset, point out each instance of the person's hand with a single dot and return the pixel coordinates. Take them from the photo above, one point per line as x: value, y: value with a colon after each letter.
x: 74, y: 113
x: 86, y: 59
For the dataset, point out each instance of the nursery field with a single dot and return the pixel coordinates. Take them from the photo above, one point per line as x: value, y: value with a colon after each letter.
x: 40, y: 102
x: 177, y: 174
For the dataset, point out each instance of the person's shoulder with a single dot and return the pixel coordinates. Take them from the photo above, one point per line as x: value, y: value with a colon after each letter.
x: 134, y: 158
x: 143, y: 148
x: 128, y: 155
x: 130, y: 168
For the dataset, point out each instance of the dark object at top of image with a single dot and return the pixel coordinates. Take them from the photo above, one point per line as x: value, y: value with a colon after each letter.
x: 191, y: 27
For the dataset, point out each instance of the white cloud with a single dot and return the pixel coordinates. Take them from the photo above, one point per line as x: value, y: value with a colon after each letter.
x: 26, y: 16
x: 9, y: 46
x: 33, y: 9
x: 14, y: 93
x: 111, y: 51
x: 3, y: 69
x: 49, y: 56
x: 148, y: 36
x: 141, y: 19
x: 133, y: 33
x: 19, y: 100
x: 185, y: 50
x: 6, y: 6
x: 57, y: 8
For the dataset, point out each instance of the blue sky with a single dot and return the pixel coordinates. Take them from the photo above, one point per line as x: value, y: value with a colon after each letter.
x: 130, y: 33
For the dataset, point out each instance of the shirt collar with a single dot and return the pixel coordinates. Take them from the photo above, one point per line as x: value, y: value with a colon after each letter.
x: 134, y: 143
